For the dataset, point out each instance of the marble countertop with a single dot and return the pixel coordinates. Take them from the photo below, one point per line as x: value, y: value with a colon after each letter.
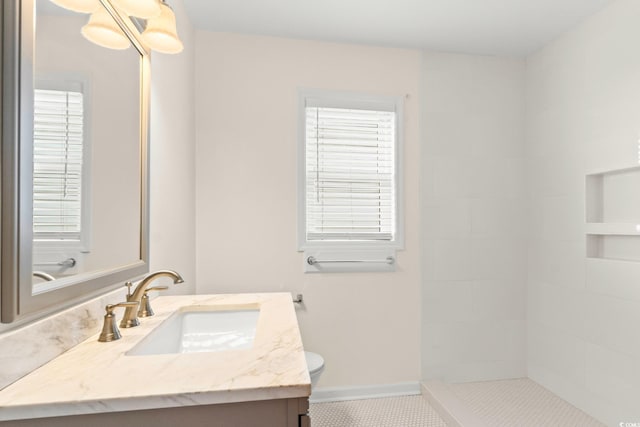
x: 95, y: 377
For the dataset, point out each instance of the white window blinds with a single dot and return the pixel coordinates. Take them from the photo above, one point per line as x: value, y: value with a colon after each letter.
x: 57, y: 164
x: 350, y: 174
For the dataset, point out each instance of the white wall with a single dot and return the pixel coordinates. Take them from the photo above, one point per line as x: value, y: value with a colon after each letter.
x: 583, y: 115
x: 365, y: 325
x: 473, y: 237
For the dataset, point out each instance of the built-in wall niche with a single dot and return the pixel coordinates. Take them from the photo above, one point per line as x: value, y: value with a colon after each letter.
x: 613, y: 214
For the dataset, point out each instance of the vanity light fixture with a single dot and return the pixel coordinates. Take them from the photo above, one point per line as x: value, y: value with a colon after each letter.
x: 82, y: 6
x: 104, y: 31
x: 160, y: 34
x: 144, y: 9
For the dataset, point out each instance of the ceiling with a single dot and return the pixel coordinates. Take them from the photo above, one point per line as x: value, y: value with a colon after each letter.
x: 494, y: 27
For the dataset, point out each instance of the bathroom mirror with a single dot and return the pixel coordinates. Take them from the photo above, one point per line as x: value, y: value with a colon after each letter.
x: 74, y: 158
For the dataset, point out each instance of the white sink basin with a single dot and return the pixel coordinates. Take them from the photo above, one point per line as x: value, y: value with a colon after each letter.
x: 201, y: 328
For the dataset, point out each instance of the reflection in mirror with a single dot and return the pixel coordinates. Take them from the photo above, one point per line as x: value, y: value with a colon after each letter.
x: 75, y: 218
x: 86, y: 153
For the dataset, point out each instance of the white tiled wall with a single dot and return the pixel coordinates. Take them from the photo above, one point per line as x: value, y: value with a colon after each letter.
x: 583, y: 116
x: 473, y: 236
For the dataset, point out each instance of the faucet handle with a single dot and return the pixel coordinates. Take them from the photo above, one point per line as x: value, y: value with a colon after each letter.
x: 156, y: 288
x: 128, y: 284
x: 110, y: 331
x: 145, y: 309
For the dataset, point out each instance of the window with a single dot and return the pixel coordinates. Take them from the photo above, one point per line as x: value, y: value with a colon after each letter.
x: 349, y: 172
x: 58, y: 166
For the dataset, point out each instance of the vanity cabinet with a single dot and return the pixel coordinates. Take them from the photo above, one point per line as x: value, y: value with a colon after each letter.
x: 98, y: 384
x: 262, y: 413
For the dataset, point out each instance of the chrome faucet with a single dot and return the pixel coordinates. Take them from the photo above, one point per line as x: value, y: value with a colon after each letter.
x: 130, y: 317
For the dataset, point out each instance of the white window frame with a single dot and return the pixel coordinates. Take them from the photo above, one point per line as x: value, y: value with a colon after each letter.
x: 47, y: 248
x: 363, y: 249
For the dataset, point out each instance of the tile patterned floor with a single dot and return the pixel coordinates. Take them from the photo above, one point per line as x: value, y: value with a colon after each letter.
x: 521, y: 402
x: 509, y: 403
x: 405, y: 411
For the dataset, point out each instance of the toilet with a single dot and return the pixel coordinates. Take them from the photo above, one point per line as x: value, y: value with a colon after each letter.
x: 315, y: 364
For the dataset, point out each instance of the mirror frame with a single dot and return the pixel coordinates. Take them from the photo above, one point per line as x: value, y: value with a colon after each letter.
x: 17, y: 300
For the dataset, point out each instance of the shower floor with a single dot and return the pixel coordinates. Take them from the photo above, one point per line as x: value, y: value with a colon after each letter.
x: 507, y: 403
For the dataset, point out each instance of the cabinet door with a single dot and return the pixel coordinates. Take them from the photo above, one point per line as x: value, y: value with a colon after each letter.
x: 299, y: 412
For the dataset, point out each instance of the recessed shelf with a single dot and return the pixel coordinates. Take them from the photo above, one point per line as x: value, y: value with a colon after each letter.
x: 613, y: 214
x: 610, y: 228
x: 618, y: 247
x: 612, y: 196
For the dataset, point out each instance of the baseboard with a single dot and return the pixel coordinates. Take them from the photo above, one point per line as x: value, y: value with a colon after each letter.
x: 337, y: 394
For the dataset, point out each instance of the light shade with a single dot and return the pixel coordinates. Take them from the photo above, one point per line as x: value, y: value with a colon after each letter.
x: 144, y: 9
x: 104, y: 31
x: 161, y: 34
x: 82, y: 6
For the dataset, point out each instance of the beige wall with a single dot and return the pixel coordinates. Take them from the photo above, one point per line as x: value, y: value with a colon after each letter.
x: 365, y: 325
x: 172, y: 152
